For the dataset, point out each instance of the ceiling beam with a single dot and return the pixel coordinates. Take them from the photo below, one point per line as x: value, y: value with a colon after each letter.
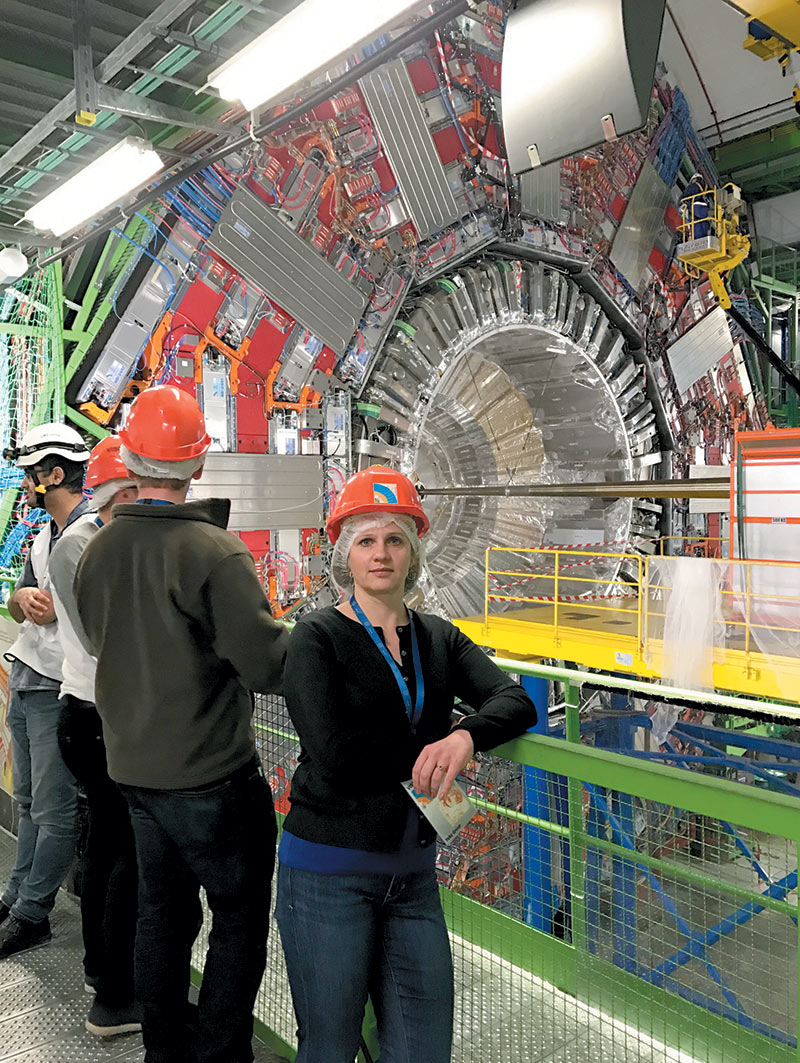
x: 144, y: 34
x: 10, y: 235
x: 419, y: 32
x: 85, y: 86
x: 111, y: 99
x: 776, y: 143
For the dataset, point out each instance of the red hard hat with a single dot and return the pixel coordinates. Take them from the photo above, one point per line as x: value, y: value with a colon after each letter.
x: 105, y: 463
x: 375, y: 490
x: 166, y: 424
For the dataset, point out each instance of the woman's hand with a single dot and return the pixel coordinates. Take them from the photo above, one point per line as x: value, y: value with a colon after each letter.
x: 440, y: 762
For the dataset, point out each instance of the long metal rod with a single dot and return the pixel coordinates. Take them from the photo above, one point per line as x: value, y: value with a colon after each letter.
x: 764, y: 348
x: 714, y: 487
x: 398, y: 45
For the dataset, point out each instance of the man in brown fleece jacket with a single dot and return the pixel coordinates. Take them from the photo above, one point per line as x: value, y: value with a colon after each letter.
x: 182, y: 632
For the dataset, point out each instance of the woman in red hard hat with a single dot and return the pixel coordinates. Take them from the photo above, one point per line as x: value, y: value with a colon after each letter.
x: 370, y: 687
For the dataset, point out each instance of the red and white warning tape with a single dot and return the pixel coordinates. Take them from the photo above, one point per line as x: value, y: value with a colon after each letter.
x: 564, y: 598
x: 589, y: 546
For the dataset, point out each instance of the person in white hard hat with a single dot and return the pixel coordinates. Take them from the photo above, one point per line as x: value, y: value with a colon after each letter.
x: 53, y: 457
x: 109, y: 877
x: 696, y: 208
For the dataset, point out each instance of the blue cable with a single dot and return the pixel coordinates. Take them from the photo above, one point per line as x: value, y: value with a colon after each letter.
x: 171, y: 243
x: 189, y: 215
x: 214, y: 180
x: 156, y: 260
x: 193, y: 193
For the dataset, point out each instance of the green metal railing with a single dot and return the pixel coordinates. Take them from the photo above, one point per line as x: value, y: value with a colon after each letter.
x: 602, y: 905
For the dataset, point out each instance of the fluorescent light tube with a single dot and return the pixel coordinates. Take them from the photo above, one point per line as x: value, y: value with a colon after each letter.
x: 97, y: 186
x: 307, y: 40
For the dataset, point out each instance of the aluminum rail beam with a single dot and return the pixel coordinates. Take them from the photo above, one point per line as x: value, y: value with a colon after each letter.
x: 111, y: 99
x: 10, y: 235
x: 399, y: 44
x: 764, y: 349
x: 85, y: 86
x: 711, y: 488
x: 164, y: 15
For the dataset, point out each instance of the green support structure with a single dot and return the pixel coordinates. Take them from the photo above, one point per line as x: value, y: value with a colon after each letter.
x: 668, y: 1018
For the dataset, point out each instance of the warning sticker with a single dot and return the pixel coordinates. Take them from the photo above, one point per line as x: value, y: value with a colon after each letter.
x: 625, y: 659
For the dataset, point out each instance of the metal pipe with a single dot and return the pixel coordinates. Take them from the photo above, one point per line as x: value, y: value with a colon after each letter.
x: 399, y: 44
x: 714, y: 487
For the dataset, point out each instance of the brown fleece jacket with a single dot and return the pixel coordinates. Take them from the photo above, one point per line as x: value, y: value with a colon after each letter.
x: 182, y: 632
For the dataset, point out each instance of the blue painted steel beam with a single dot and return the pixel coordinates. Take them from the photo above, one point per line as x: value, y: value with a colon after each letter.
x: 779, y: 890
x: 696, y: 945
x: 776, y: 747
x: 619, y: 731
x: 538, y: 889
x: 721, y: 761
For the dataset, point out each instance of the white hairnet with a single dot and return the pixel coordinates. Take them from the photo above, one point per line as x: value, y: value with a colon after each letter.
x: 353, y: 527
x: 103, y: 493
x: 160, y: 470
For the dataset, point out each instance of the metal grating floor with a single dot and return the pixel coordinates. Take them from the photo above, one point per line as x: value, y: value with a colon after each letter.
x: 43, y: 1004
x: 43, y: 1007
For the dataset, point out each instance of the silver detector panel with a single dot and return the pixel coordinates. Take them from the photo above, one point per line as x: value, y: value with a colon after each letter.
x: 252, y: 239
x: 396, y: 111
x: 267, y: 491
x: 570, y: 64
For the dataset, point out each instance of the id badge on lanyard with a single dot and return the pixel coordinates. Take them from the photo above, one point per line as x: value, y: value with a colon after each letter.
x: 414, y: 712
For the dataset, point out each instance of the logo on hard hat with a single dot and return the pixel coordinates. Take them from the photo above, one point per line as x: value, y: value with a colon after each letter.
x: 384, y: 493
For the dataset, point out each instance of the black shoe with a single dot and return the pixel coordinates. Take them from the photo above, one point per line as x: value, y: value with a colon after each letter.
x: 16, y: 935
x: 108, y: 1022
x: 4, y: 910
x: 90, y: 983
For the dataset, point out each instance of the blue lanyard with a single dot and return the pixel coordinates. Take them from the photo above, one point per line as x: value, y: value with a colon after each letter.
x: 415, y: 713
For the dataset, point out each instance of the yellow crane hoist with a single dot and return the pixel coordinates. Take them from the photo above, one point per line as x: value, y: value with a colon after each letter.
x: 711, y: 238
x: 773, y: 32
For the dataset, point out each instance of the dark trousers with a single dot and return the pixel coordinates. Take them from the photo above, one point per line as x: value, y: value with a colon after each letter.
x: 220, y: 837
x: 108, y: 862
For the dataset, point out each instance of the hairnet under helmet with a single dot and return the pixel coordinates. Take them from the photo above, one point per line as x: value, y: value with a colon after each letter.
x: 104, y: 492
x: 158, y: 469
x: 353, y: 527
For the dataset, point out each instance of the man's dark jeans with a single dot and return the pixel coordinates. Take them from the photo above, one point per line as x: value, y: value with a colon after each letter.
x: 221, y: 837
x: 108, y: 866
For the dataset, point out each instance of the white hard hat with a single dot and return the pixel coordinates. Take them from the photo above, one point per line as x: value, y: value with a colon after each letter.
x: 54, y: 439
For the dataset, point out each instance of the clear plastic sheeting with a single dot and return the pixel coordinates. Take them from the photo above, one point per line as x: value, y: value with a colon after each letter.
x: 686, y: 599
x: 704, y: 616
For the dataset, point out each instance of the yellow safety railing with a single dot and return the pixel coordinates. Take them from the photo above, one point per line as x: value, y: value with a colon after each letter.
x: 700, y: 212
x: 548, y: 588
x: 565, y: 586
x: 747, y: 608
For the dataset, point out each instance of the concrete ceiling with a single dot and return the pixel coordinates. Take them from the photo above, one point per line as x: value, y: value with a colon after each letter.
x: 741, y: 105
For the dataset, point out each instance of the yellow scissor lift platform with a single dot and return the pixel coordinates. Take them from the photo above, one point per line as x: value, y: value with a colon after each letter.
x: 617, y: 624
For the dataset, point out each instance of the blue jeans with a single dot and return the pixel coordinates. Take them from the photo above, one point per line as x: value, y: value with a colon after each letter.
x: 46, y: 795
x: 220, y: 837
x: 347, y: 937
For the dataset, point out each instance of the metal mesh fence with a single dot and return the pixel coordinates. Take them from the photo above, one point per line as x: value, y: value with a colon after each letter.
x: 589, y: 922
x: 31, y: 383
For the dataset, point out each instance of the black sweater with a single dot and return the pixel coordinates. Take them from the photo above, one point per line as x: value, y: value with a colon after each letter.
x: 356, y: 741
